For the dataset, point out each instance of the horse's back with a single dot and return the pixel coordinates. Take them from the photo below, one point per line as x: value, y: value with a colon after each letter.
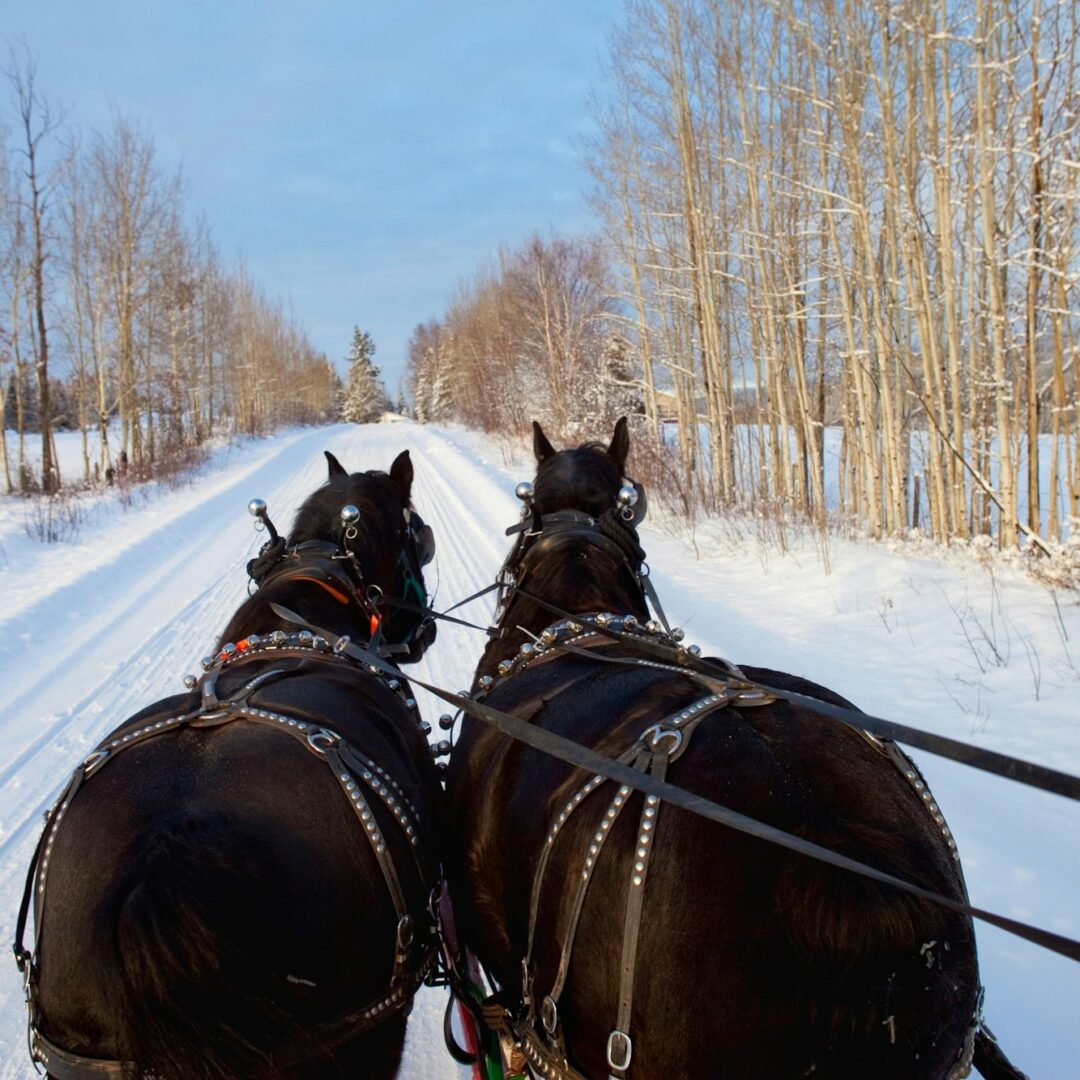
x: 214, y: 875
x: 753, y: 961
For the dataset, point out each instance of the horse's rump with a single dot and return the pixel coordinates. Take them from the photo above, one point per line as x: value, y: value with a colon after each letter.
x: 227, y: 869
x: 752, y: 960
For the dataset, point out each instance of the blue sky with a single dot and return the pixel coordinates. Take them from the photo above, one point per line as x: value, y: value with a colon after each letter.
x: 361, y: 157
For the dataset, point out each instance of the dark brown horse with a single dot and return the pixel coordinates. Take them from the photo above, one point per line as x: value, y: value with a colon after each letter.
x: 630, y: 939
x: 236, y: 883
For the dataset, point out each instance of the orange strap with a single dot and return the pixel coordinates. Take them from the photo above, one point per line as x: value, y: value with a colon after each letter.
x: 337, y: 594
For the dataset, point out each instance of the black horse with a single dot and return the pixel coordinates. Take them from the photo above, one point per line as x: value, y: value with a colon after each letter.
x: 237, y: 882
x: 628, y: 938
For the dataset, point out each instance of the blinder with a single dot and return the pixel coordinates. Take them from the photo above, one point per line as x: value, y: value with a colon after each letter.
x: 421, y: 536
x: 409, y: 643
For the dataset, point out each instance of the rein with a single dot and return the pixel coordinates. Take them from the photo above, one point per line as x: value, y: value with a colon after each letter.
x: 585, y: 757
x: 689, y: 659
x: 363, y: 782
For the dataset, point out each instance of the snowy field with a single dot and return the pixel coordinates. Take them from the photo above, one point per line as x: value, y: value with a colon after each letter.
x: 93, y: 630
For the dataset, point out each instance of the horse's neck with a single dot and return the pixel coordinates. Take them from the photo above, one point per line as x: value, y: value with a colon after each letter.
x: 309, y: 600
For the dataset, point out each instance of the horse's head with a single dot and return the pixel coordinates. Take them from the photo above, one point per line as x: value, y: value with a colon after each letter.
x: 577, y: 546
x: 586, y: 478
x: 359, y: 540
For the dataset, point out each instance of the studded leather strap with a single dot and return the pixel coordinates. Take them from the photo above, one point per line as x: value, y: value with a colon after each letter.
x: 353, y: 771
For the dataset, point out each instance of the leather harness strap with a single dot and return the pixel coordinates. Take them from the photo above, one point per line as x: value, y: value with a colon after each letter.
x: 339, y: 596
x: 655, y: 748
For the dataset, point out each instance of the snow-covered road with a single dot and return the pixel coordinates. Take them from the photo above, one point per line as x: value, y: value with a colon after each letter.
x: 92, y: 631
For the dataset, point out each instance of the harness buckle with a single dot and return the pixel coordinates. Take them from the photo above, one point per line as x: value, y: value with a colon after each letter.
x: 655, y: 737
x: 526, y: 983
x: 92, y: 761
x: 322, y: 739
x: 620, y: 1049
x: 549, y: 1014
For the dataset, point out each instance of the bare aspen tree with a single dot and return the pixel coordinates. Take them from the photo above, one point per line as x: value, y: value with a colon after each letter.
x: 17, y: 274
x: 36, y: 124
x: 7, y: 320
x: 616, y: 205
x: 122, y: 161
x: 80, y: 340
x: 1005, y: 399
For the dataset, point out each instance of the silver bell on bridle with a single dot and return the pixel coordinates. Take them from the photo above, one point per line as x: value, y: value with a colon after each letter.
x: 350, y: 515
x: 627, y: 499
x: 524, y: 491
x: 257, y: 509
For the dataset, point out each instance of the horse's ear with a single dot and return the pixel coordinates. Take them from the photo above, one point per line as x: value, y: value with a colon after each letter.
x: 336, y: 468
x: 541, y: 447
x: 401, y: 472
x: 620, y: 444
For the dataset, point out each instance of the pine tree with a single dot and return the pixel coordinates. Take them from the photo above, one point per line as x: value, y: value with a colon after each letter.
x: 365, y: 399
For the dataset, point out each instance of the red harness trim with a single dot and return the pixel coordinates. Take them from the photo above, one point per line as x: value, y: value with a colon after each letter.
x: 337, y: 594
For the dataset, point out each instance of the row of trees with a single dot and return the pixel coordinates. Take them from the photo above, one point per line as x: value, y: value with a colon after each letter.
x: 532, y: 336
x: 120, y: 311
x: 857, y: 214
x: 862, y: 212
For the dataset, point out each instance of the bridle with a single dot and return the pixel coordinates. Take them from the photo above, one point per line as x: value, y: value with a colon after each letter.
x: 614, y: 532
x: 335, y: 566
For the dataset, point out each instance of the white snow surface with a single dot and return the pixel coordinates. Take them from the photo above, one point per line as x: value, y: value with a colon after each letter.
x: 93, y: 630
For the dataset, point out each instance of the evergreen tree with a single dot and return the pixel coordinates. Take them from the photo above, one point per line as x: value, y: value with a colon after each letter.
x: 365, y: 399
x: 401, y: 406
